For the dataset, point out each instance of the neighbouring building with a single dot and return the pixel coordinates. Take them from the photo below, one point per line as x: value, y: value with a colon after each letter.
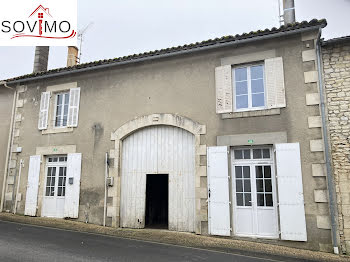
x: 336, y: 65
x: 220, y: 137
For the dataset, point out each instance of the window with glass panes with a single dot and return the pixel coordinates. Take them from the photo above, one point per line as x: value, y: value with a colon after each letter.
x: 249, y: 87
x: 61, y: 109
x: 56, y: 176
x: 253, y: 177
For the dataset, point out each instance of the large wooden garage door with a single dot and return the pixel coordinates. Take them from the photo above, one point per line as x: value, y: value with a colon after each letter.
x: 159, y: 150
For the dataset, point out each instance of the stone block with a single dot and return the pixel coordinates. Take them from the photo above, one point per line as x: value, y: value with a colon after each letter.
x: 111, y: 211
x: 314, y: 121
x: 312, y: 99
x: 321, y: 196
x: 323, y: 222
x: 201, y: 192
x: 316, y: 145
x: 310, y: 77
x: 201, y: 171
x: 309, y: 55
x: 318, y: 170
x: 202, y: 150
x: 10, y: 180
x: 8, y: 196
x: 19, y: 103
x: 18, y: 118
x: 346, y: 222
x: 12, y: 164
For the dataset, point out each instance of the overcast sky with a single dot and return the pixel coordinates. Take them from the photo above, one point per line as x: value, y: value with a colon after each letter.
x: 127, y: 27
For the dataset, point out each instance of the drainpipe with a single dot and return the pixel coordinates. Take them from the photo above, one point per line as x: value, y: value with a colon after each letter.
x: 9, y: 144
x: 105, y: 199
x: 330, y: 181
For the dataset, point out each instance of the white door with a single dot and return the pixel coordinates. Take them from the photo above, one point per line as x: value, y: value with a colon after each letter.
x: 254, y: 193
x: 158, y: 150
x: 55, y: 187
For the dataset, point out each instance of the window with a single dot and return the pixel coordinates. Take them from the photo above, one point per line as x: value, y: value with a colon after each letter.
x: 61, y: 109
x: 253, y: 177
x: 56, y: 176
x: 249, y: 87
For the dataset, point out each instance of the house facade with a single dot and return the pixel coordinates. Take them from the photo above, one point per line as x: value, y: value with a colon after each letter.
x: 336, y: 66
x: 221, y: 137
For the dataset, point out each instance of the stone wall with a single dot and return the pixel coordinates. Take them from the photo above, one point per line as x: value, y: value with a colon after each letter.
x: 336, y: 63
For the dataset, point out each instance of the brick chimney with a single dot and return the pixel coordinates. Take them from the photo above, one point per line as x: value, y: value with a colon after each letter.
x: 41, y: 58
x: 288, y: 12
x: 72, y: 58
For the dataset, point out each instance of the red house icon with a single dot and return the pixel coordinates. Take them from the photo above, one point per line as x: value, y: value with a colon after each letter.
x: 41, y: 11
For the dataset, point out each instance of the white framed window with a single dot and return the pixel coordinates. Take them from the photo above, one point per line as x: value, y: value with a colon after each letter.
x: 56, y: 176
x: 61, y: 109
x: 249, y: 87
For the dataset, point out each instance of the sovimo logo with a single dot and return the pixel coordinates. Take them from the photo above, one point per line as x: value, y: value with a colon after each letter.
x: 50, y: 23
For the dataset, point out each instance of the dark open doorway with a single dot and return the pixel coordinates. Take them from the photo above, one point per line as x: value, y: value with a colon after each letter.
x: 157, y: 201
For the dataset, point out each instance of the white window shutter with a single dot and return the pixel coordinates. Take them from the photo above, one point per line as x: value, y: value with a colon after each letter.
x: 218, y: 191
x: 32, y: 186
x: 73, y: 111
x: 223, y: 83
x: 71, y: 203
x: 44, y: 110
x: 290, y: 192
x: 274, y: 79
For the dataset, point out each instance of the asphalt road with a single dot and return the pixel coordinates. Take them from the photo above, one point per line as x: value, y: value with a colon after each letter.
x: 19, y: 242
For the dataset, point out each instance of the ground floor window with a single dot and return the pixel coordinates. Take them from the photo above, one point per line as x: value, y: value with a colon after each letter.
x: 254, y: 192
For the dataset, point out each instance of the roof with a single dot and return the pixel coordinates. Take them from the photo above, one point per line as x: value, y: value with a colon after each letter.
x: 337, y: 40
x: 211, y: 43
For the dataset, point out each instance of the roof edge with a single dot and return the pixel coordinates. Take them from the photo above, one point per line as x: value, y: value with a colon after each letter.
x: 337, y: 40
x: 186, y: 49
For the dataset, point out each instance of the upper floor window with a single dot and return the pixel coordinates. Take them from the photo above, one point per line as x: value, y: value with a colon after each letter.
x: 61, y: 112
x: 258, y: 86
x: 249, y: 87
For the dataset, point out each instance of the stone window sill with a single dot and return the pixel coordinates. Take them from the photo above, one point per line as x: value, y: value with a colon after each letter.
x: 57, y: 130
x: 265, y: 112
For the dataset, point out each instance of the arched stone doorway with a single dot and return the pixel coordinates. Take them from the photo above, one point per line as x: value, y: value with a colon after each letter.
x: 151, y: 156
x: 172, y: 120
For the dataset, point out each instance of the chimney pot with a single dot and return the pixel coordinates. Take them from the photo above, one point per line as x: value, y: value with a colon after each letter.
x: 288, y: 12
x: 72, y: 58
x: 41, y: 58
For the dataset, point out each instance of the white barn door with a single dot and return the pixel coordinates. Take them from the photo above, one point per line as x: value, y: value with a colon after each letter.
x: 159, y: 150
x: 218, y: 191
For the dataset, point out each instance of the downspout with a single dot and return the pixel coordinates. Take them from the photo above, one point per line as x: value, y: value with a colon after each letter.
x: 9, y: 145
x: 330, y: 181
x: 105, y: 198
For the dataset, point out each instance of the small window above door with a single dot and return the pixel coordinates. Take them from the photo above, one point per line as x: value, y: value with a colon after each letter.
x: 252, y: 153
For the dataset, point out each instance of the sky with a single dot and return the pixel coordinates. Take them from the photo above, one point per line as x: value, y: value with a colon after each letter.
x: 120, y: 27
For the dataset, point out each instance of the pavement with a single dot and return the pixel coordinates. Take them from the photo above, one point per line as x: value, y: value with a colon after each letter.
x: 42, y: 239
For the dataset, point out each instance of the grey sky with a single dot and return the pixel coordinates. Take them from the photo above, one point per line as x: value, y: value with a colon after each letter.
x: 133, y: 26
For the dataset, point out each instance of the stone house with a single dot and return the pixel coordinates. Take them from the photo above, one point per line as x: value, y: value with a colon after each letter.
x: 220, y: 137
x: 336, y: 65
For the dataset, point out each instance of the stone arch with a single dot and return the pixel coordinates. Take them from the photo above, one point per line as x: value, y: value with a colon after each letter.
x: 113, y: 208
